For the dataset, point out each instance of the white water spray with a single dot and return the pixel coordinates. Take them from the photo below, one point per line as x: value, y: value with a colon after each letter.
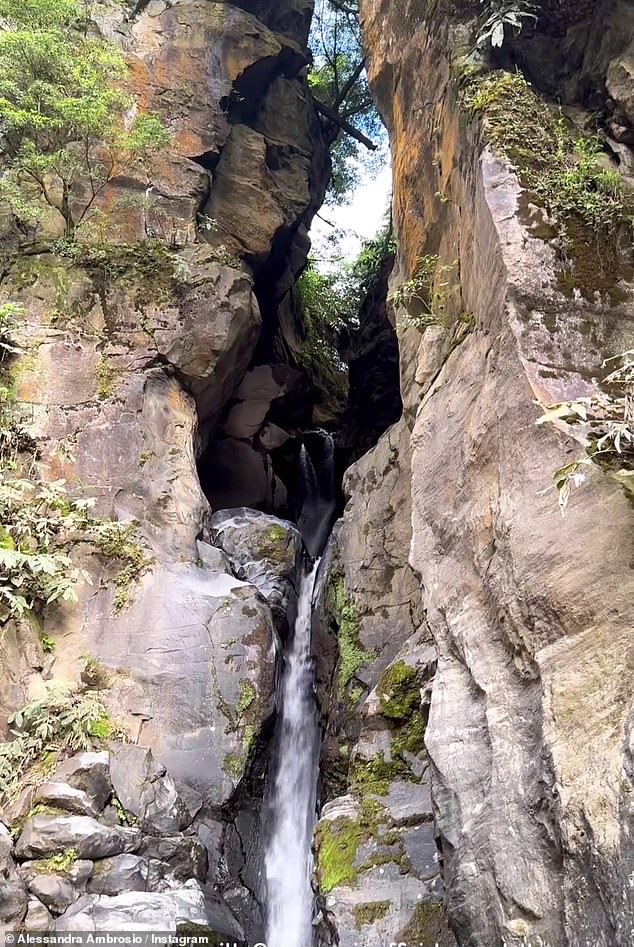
x: 288, y: 857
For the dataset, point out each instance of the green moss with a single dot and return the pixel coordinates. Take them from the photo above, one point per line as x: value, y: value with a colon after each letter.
x: 55, y: 864
x: 105, y: 373
x: 376, y: 774
x: 147, y: 270
x: 368, y: 912
x: 274, y: 544
x: 247, y: 697
x: 428, y: 925
x: 121, y: 542
x: 144, y: 456
x: 248, y: 736
x: 560, y: 167
x: 399, y: 691
x: 352, y: 655
x: 233, y: 765
x: 337, y: 843
x: 125, y: 817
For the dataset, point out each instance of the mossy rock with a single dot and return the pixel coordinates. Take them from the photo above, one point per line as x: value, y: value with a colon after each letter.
x: 369, y: 912
x: 428, y: 925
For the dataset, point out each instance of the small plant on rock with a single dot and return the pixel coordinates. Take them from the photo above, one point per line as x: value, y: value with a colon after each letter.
x: 61, y: 721
x: 426, y: 296
x: 604, y: 424
x: 501, y: 18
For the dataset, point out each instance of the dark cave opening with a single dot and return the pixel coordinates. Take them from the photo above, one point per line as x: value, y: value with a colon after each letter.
x: 254, y: 456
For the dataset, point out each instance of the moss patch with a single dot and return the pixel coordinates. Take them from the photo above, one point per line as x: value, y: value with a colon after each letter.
x: 352, y: 655
x: 338, y: 841
x: 368, y: 912
x: 428, y: 925
x: 106, y: 374
x: 376, y: 774
x: 247, y: 697
x: 61, y: 862
x: 121, y: 542
x: 233, y: 765
x: 561, y: 170
x: 146, y: 270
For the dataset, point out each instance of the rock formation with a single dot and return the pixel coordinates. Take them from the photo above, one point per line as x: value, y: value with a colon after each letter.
x: 472, y: 646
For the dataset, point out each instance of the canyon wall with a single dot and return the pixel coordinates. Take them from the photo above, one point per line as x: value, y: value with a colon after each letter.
x: 134, y: 338
x: 452, y: 533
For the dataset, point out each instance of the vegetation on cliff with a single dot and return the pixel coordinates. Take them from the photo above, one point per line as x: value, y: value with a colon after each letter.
x: 67, y: 130
x: 339, y: 83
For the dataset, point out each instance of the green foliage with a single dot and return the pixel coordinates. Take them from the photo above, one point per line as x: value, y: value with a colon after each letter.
x: 48, y: 643
x: 59, y: 721
x: 59, y: 863
x: 37, y: 521
x: 604, y: 424
x: 64, y: 111
x: 501, y: 17
x: 329, y: 302
x: 105, y: 373
x: 338, y: 79
x: 559, y: 167
x: 426, y: 296
x: 40, y: 525
x: 10, y: 315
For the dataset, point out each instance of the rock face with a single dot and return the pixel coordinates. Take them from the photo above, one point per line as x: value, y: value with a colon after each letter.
x: 137, y: 341
x: 530, y: 717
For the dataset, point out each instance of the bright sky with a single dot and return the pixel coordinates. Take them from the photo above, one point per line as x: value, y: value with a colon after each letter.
x: 361, y: 217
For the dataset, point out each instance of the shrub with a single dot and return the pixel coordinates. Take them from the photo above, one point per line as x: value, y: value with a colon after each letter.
x: 604, y: 423
x: 59, y: 721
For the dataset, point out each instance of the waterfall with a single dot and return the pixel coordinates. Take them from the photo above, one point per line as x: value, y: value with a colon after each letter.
x: 317, y: 472
x: 288, y: 859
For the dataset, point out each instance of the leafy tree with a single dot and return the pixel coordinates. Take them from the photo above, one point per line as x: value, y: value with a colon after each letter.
x: 339, y: 83
x: 63, y: 111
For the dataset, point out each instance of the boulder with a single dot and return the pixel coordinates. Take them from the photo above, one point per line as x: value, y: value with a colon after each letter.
x: 54, y: 891
x: 38, y: 918
x: 112, y: 876
x: 263, y: 550
x: 89, y: 773
x: 45, y: 835
x: 63, y: 796
x: 182, y: 856
x: 13, y: 897
x: 134, y: 911
x: 145, y: 789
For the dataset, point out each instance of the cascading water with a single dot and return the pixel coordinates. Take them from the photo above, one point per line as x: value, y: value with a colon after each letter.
x: 317, y: 491
x: 288, y: 860
x: 288, y: 856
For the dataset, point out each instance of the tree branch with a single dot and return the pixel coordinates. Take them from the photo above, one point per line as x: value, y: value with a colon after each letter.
x: 348, y: 85
x: 343, y: 8
x: 349, y: 129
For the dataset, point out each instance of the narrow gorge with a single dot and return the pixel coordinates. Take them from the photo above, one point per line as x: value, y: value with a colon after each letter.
x: 316, y: 587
